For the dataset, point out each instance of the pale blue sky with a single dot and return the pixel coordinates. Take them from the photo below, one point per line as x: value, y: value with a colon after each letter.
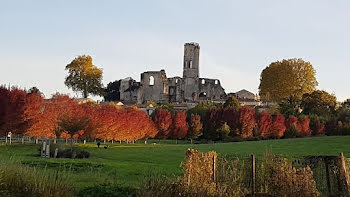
x: 238, y: 39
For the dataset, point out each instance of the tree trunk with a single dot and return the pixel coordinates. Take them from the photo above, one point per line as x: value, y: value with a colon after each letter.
x: 22, y: 139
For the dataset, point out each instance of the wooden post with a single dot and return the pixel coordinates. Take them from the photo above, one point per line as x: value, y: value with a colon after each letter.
x: 343, y: 176
x: 252, y: 156
x: 214, y: 169
x: 326, y: 162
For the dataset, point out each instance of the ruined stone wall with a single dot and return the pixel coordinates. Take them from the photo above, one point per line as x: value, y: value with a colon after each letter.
x: 210, y: 89
x: 153, y: 87
x: 175, y: 90
x: 128, y: 89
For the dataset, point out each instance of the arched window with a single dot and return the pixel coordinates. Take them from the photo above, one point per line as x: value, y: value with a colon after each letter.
x: 190, y: 64
x: 216, y: 82
x: 203, y: 81
x: 202, y: 95
x: 151, y: 80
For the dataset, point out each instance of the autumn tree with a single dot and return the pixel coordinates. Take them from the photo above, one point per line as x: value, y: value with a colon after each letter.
x: 231, y: 115
x: 304, y: 127
x: 179, y: 126
x: 319, y: 102
x: 12, y: 119
x: 195, y: 126
x: 317, y: 127
x: 4, y: 104
x: 247, y: 121
x: 286, y: 78
x: 213, y: 121
x: 264, y: 125
x: 278, y: 126
x: 83, y: 76
x: 162, y: 119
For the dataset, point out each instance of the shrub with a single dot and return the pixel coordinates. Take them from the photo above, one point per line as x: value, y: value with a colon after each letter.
x: 282, y: 178
x: 292, y: 132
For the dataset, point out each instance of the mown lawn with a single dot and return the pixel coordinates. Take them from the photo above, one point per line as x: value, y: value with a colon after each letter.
x: 131, y: 164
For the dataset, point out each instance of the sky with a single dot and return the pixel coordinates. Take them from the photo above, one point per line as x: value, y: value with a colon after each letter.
x: 238, y: 39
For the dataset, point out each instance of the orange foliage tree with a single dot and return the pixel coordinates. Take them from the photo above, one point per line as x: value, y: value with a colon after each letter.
x: 265, y: 124
x: 247, y: 121
x: 304, y: 127
x: 162, y: 119
x: 278, y: 126
x: 179, y: 125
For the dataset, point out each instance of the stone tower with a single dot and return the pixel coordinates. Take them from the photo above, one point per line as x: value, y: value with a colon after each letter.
x: 191, y: 60
x: 191, y: 71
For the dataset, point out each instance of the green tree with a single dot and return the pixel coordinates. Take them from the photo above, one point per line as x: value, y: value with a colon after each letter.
x: 319, y: 102
x: 290, y: 106
x: 111, y: 92
x: 232, y: 102
x: 84, y: 76
x: 286, y: 78
x: 223, y: 131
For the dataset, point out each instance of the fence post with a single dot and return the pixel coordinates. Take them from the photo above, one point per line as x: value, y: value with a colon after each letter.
x: 214, y: 169
x: 252, y: 156
x: 344, y: 176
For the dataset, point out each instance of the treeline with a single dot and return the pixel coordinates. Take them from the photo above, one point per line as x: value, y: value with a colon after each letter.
x: 29, y: 114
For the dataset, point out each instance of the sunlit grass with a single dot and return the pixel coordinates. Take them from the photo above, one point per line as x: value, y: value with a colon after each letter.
x: 130, y: 164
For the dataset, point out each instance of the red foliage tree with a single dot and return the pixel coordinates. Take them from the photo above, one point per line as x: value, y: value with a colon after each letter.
x: 4, y: 105
x: 13, y: 119
x: 162, y: 119
x: 179, y: 126
x: 265, y: 124
x: 247, y: 121
x: 292, y: 121
x: 318, y: 128
x: 278, y: 126
x: 304, y: 127
x: 231, y: 116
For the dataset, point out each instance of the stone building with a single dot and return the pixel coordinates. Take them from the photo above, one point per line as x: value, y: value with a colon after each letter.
x: 156, y: 86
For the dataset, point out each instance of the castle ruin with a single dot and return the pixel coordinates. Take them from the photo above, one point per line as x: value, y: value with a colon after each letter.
x: 156, y: 86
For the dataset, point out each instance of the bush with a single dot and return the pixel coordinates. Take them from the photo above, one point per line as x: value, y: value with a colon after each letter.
x: 292, y: 132
x: 18, y: 181
x: 282, y: 178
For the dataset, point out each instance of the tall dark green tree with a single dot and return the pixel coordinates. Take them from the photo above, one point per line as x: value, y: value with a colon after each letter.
x: 112, y: 92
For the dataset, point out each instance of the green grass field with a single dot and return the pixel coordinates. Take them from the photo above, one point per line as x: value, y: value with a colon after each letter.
x: 130, y: 164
